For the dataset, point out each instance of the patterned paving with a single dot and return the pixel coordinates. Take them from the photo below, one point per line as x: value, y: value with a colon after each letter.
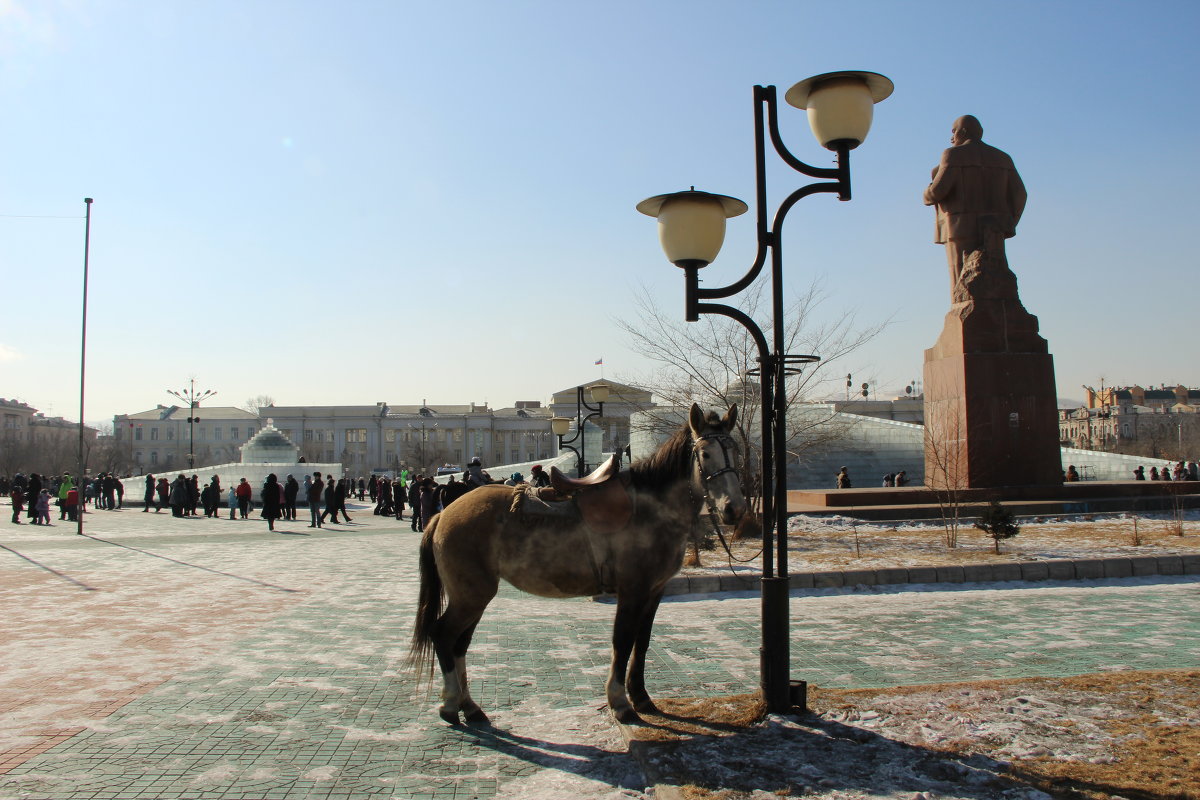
x: 317, y: 702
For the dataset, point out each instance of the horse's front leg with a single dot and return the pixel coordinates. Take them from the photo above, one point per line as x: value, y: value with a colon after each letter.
x: 625, y: 631
x: 635, y: 684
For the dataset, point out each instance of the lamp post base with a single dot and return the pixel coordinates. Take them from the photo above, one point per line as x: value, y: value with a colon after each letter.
x: 776, y: 646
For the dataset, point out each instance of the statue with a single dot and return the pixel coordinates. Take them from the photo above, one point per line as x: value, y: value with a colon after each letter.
x: 979, y: 198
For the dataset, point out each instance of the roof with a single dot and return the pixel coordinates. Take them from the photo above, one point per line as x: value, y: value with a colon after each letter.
x: 180, y: 414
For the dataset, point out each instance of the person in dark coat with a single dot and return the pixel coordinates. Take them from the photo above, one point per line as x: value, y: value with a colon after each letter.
x: 290, y: 490
x: 193, y: 494
x: 150, y: 494
x: 315, y: 486
x: 270, y: 500
x: 344, y: 487
x: 164, y: 491
x: 331, y: 501
x: 429, y: 502
x: 179, y: 496
x: 414, y: 500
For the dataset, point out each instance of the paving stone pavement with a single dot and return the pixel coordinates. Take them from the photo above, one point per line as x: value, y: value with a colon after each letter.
x: 313, y: 699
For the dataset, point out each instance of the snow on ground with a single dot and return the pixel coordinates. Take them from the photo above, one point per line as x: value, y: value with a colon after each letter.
x: 842, y: 542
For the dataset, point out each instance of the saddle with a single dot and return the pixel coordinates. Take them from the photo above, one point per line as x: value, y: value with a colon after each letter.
x: 602, y: 497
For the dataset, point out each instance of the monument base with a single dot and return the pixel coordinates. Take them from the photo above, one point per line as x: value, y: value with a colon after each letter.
x: 991, y: 411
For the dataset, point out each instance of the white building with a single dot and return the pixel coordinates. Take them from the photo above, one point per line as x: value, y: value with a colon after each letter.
x: 162, y: 438
x: 422, y: 437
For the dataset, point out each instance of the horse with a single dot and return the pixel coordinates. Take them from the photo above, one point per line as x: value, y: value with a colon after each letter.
x: 625, y: 533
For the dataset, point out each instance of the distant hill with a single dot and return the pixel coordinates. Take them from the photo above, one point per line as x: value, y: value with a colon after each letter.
x: 1066, y: 402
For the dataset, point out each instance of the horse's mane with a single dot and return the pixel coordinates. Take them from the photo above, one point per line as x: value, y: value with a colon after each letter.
x: 667, y: 465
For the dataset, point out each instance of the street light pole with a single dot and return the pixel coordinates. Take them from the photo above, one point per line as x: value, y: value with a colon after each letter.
x: 190, y: 396
x: 560, y: 425
x: 692, y: 229
x: 87, y: 241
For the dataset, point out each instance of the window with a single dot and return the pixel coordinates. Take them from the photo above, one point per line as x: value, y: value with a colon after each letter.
x: 137, y: 433
x: 389, y: 435
x: 153, y: 456
x: 233, y: 434
x: 249, y: 431
x: 154, y: 434
x: 458, y: 435
x: 308, y: 436
x: 216, y: 434
x: 516, y: 457
x: 170, y: 434
x: 356, y: 435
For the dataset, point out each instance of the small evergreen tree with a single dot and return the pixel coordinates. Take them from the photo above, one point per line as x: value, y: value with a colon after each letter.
x: 998, y: 522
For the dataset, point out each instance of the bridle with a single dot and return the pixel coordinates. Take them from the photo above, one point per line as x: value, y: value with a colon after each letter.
x: 727, y: 444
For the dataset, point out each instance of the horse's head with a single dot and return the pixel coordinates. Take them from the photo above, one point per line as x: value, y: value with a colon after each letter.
x: 717, y: 464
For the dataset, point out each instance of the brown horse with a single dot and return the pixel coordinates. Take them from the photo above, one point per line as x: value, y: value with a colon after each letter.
x: 625, y: 534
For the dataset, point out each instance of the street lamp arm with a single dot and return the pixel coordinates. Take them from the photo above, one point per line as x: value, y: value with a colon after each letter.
x: 765, y: 95
x: 760, y: 339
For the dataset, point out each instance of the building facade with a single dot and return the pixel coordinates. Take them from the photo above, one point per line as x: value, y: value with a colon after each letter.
x: 162, y: 439
x: 421, y: 437
x: 30, y: 441
x: 1163, y: 430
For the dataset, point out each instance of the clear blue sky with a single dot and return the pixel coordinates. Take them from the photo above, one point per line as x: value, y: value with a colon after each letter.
x: 363, y: 201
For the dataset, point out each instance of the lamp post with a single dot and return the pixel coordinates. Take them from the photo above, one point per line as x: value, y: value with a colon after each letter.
x: 87, y: 240
x: 691, y: 227
x: 190, y: 396
x: 560, y: 425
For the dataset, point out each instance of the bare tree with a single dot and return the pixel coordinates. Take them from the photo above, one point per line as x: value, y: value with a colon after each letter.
x: 253, y: 404
x: 946, y: 464
x: 714, y: 362
x: 425, y: 455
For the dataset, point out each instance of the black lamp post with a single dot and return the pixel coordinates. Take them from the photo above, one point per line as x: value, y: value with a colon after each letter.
x: 190, y: 396
x: 560, y: 425
x: 79, y: 478
x: 691, y: 227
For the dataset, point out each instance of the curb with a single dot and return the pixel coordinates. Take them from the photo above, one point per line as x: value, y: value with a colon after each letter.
x: 997, y: 572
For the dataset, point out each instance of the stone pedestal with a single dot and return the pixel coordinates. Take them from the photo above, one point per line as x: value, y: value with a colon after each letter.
x: 991, y: 410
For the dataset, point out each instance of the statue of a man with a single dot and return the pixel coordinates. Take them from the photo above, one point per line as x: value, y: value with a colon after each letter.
x: 979, y: 198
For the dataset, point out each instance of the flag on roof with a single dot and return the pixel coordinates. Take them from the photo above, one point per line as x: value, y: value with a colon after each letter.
x: 599, y: 362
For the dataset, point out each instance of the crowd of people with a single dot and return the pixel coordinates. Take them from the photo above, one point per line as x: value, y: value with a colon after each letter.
x: 325, y: 496
x: 1180, y: 472
x: 34, y: 494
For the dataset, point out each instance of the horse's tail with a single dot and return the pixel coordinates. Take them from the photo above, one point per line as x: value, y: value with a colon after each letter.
x: 429, y: 605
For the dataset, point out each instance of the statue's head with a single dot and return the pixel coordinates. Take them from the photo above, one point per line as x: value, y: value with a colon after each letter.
x: 966, y: 129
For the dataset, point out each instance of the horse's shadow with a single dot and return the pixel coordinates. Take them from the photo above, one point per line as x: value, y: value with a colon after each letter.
x: 806, y: 753
x: 615, y: 768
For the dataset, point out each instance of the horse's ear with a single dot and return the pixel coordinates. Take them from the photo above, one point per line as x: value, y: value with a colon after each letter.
x: 697, y: 419
x: 730, y: 418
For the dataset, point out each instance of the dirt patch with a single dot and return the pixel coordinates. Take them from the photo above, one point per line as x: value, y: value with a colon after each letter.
x: 1126, y: 734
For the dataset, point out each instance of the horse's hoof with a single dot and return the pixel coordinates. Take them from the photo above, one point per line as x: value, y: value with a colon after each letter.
x: 627, y: 716
x: 477, y: 717
x: 450, y: 717
x: 646, y: 706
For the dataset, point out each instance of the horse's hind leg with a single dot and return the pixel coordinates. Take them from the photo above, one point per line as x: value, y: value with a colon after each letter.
x: 450, y: 644
x: 470, y: 709
x: 635, y: 684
